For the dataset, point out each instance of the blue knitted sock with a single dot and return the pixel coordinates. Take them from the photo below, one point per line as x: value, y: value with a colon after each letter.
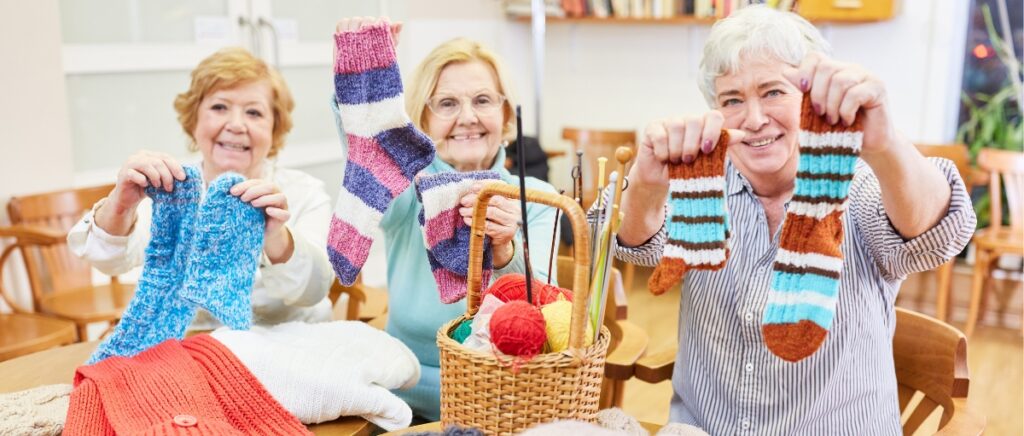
x: 222, y: 265
x: 155, y: 313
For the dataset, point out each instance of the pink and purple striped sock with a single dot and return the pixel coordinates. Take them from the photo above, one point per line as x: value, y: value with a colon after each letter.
x: 385, y: 151
x: 446, y: 234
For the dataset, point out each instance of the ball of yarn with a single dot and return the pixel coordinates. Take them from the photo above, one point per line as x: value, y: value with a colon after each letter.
x: 512, y: 287
x: 517, y: 329
x: 462, y: 331
x: 557, y: 321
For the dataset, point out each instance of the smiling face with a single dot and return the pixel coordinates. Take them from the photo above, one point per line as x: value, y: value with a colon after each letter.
x: 468, y: 141
x: 760, y: 101
x: 234, y: 129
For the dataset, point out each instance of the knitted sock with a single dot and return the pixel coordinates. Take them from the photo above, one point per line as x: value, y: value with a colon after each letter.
x: 446, y: 234
x: 697, y: 225
x: 385, y: 151
x: 805, y: 280
x: 225, y: 254
x: 156, y: 313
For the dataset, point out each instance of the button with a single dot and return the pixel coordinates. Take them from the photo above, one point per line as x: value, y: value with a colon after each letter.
x: 749, y: 367
x: 749, y: 317
x: 185, y: 421
x: 746, y: 424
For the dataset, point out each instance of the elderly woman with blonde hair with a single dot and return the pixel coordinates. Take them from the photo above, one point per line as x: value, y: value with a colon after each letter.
x: 236, y: 114
x: 458, y: 105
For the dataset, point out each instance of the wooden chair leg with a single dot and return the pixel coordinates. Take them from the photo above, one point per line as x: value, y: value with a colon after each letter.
x: 83, y: 331
x: 981, y: 263
x: 943, y: 279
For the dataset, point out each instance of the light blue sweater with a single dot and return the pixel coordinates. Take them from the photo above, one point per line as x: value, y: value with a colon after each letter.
x: 415, y: 311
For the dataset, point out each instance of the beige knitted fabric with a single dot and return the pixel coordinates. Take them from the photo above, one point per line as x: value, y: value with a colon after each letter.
x: 38, y: 411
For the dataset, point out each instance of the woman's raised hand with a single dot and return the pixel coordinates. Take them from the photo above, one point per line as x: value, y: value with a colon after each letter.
x: 144, y: 169
x: 678, y: 140
x: 355, y: 24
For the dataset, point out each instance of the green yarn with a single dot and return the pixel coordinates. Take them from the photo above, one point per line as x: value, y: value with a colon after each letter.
x: 462, y: 331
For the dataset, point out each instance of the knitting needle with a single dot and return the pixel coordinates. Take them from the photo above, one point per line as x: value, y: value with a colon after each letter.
x: 578, y: 187
x: 554, y: 234
x: 522, y: 204
x: 599, y: 285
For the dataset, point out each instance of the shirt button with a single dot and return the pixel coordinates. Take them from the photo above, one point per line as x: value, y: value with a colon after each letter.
x: 185, y: 421
x: 749, y: 317
x: 86, y: 221
x: 749, y: 367
x: 746, y: 424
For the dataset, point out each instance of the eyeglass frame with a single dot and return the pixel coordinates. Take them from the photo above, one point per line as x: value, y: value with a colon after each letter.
x: 502, y: 99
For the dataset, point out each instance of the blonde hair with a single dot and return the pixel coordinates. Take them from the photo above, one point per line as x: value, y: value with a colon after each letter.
x: 228, y: 68
x: 457, y: 50
x: 756, y: 30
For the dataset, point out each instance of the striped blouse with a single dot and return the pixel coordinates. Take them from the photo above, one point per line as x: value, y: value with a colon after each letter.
x: 726, y: 381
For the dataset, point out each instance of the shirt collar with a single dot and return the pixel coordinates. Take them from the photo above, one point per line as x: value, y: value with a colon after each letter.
x: 734, y: 181
x: 499, y: 164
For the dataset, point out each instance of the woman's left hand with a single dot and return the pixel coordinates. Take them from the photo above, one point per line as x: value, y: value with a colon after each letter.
x: 503, y: 217
x: 839, y: 90
x: 277, y: 240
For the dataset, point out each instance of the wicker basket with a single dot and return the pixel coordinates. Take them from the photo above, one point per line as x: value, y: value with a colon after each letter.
x: 505, y: 397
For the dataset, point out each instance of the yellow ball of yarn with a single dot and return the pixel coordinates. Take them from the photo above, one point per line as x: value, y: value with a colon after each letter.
x: 557, y: 317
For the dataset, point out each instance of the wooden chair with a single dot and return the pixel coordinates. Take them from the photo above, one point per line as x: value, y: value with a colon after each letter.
x: 594, y: 144
x: 931, y: 363
x: 26, y: 333
x: 1004, y: 168
x: 944, y: 273
x: 365, y: 303
x: 628, y: 343
x: 930, y: 358
x: 61, y: 282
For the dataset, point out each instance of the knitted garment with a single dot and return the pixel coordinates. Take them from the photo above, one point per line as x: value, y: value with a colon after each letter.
x: 446, y: 234
x: 39, y: 411
x: 321, y: 371
x: 809, y: 263
x: 225, y: 252
x: 211, y: 263
x: 385, y: 151
x: 697, y: 224
x: 195, y: 386
x: 155, y: 312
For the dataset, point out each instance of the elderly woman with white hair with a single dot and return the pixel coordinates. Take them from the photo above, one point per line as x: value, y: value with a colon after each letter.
x: 786, y: 314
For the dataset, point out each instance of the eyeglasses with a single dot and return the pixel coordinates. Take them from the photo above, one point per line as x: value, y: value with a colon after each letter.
x: 447, y: 106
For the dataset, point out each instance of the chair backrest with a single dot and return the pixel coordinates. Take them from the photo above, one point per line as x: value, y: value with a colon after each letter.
x: 1006, y: 171
x: 595, y: 144
x: 54, y: 268
x: 955, y: 152
x: 931, y: 358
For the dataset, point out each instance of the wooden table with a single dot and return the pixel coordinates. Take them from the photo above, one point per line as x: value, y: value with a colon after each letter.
x: 436, y: 427
x: 57, y: 365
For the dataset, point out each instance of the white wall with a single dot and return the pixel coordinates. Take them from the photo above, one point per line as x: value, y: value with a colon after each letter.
x: 35, y: 139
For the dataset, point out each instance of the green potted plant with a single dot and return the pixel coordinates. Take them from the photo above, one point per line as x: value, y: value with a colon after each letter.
x: 994, y: 120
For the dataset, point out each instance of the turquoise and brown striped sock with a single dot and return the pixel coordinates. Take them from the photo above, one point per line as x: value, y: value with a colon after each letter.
x: 809, y: 263
x: 697, y: 225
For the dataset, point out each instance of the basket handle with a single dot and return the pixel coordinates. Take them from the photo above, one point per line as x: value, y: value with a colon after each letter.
x: 581, y: 248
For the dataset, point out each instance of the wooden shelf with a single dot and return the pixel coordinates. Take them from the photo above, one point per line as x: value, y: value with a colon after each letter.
x: 686, y: 20
x: 623, y: 20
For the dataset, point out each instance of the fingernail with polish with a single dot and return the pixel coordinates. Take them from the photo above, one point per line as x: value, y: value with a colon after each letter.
x: 688, y: 159
x: 706, y: 148
x: 817, y: 109
x: 803, y: 85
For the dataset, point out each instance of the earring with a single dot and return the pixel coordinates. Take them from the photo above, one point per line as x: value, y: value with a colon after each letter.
x: 504, y: 143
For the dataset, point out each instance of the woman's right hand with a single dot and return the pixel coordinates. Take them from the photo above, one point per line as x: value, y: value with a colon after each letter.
x: 677, y: 140
x: 141, y: 170
x: 356, y: 24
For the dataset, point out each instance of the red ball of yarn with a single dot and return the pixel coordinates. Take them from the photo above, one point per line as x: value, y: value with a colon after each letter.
x: 517, y: 329
x: 512, y: 287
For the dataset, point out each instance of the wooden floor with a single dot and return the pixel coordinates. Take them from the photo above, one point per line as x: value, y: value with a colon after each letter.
x: 995, y: 352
